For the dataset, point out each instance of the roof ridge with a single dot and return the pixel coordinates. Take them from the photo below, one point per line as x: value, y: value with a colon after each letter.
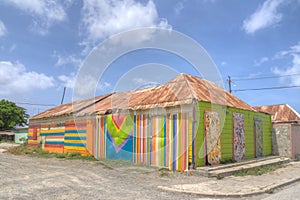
x: 189, y: 86
x: 297, y: 114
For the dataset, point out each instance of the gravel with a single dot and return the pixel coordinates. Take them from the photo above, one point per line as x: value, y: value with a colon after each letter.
x: 25, y: 177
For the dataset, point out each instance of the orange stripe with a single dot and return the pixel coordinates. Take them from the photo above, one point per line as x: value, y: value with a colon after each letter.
x: 154, y: 140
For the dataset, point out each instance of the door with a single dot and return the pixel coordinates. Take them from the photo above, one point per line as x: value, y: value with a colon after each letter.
x: 238, y: 137
x: 258, y: 133
x: 212, y: 137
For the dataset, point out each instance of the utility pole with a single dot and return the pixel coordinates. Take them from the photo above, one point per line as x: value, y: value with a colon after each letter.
x: 63, y: 96
x: 229, y: 83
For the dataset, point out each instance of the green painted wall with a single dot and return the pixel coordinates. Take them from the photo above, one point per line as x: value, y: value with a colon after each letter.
x: 226, y: 114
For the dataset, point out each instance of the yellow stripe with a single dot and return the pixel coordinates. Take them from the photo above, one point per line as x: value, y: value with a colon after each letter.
x: 75, y: 141
x: 75, y: 148
x: 35, y: 141
x: 75, y: 134
x: 53, y: 131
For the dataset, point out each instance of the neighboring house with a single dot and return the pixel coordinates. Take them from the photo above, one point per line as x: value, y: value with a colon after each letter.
x: 187, y: 122
x: 21, y: 134
x: 286, y: 129
x: 7, y: 135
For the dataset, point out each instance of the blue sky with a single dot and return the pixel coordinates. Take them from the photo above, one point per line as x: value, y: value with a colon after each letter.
x: 44, y: 43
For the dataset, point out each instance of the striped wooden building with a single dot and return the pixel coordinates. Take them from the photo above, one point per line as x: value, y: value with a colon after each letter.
x: 185, y: 123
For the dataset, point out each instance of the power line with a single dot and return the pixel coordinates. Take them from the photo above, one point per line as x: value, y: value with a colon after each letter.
x: 34, y: 104
x: 264, y: 77
x: 270, y: 88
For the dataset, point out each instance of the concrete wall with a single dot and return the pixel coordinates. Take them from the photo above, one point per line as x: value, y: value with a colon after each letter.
x: 286, y: 140
x: 282, y: 140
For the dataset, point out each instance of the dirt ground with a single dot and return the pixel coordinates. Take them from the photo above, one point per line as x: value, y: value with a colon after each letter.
x: 25, y: 177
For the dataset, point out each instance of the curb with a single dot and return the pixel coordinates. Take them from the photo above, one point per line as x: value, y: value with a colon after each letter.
x: 266, y: 190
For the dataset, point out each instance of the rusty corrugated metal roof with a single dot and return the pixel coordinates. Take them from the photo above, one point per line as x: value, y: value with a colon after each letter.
x: 181, y: 90
x: 69, y: 108
x: 281, y: 112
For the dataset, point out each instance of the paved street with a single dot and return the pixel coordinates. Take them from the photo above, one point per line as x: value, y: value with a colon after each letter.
x: 292, y: 192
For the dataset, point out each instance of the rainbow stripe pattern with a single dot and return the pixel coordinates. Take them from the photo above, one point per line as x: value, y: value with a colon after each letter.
x: 75, y: 137
x: 53, y: 137
x: 33, y: 134
x: 165, y: 141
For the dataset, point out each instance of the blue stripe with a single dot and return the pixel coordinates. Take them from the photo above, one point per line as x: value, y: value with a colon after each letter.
x: 30, y: 137
x: 75, y: 131
x: 74, y: 144
x: 174, y: 141
x: 134, y: 139
x: 53, y: 134
x: 50, y: 142
x: 75, y: 138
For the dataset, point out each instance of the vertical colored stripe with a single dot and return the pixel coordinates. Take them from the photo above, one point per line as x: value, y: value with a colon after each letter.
x: 174, y: 141
x: 134, y: 141
x: 137, y: 139
x: 165, y: 141
x: 145, y: 138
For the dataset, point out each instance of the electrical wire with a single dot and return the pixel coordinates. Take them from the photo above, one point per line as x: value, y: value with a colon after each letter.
x: 270, y: 88
x: 34, y: 104
x: 265, y: 77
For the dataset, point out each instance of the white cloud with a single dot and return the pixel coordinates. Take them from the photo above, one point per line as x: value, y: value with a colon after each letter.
x: 3, y: 30
x: 15, y: 79
x: 261, y: 61
x: 294, y: 53
x: 89, y: 83
x: 45, y: 13
x: 265, y: 16
x: 68, y: 81
x: 179, y: 6
x: 103, y: 18
x: 67, y: 60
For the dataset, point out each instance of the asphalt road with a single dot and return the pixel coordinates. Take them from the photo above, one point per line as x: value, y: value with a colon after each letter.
x: 291, y: 192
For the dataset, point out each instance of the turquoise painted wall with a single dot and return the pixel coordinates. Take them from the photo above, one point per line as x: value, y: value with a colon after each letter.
x: 21, y: 135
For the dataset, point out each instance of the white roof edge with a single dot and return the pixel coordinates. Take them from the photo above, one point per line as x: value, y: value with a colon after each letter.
x: 298, y: 115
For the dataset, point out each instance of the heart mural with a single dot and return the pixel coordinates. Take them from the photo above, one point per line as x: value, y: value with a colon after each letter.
x: 119, y: 128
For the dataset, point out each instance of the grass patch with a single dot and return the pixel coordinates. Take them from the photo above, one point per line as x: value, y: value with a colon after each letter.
x: 164, y: 172
x: 257, y: 171
x: 227, y: 161
x: 37, y: 151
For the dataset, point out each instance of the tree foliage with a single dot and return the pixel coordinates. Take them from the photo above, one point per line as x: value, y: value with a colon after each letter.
x: 11, y: 115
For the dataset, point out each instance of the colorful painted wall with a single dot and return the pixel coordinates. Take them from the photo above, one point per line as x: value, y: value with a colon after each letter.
x: 160, y: 140
x: 237, y: 134
x: 64, y: 136
x: 207, y: 136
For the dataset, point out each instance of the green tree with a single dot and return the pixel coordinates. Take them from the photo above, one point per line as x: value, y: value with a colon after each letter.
x: 11, y: 115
